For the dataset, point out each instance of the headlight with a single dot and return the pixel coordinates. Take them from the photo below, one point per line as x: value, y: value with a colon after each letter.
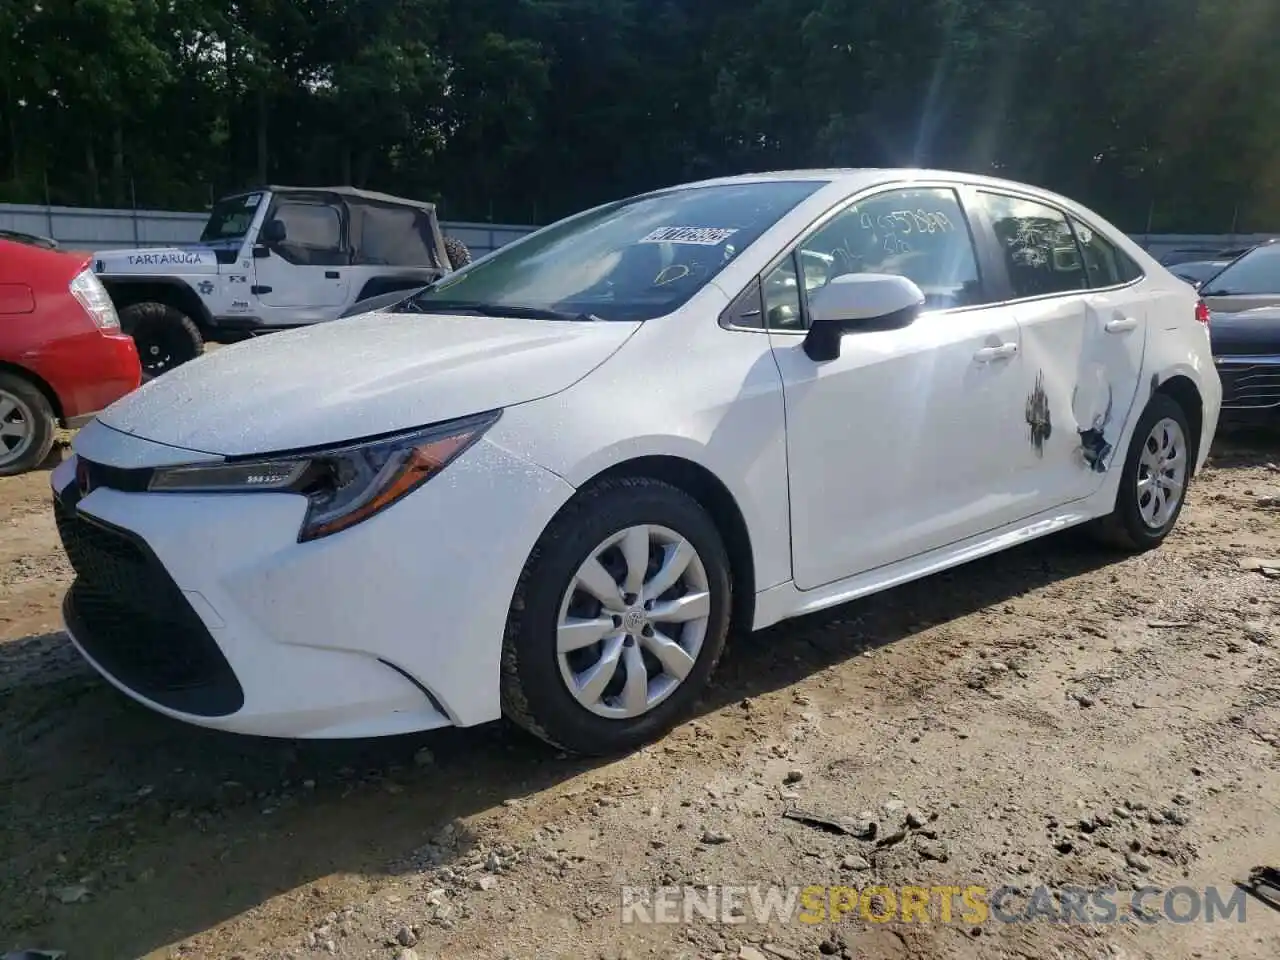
x: 343, y: 485
x: 93, y: 296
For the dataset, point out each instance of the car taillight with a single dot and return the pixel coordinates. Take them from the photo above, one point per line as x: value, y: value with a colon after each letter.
x: 93, y: 296
x: 1202, y: 312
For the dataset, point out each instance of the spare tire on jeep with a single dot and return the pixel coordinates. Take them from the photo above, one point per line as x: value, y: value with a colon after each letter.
x: 164, y: 335
x: 459, y: 255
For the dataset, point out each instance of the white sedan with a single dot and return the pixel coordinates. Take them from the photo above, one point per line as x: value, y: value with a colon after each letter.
x: 546, y: 486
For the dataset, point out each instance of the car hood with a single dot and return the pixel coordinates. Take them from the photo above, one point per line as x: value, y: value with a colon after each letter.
x: 368, y: 375
x: 152, y: 260
x: 1254, y: 333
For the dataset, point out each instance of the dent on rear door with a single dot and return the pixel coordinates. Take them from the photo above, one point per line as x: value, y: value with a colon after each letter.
x: 1080, y: 390
x: 1110, y: 367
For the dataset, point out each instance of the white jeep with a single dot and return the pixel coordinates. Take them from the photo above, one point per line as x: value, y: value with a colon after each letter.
x: 270, y: 259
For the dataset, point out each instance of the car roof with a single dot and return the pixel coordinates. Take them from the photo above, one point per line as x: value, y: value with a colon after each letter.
x: 349, y: 193
x: 857, y: 178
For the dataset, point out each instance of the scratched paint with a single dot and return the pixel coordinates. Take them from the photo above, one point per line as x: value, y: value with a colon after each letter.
x: 1039, y: 420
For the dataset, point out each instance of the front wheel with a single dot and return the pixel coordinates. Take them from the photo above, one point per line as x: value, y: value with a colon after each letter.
x: 618, y: 620
x: 164, y: 335
x: 1153, y: 483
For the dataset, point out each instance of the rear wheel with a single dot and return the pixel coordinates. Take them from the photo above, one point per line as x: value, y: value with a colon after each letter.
x: 1153, y: 483
x: 27, y: 425
x: 618, y: 620
x: 164, y: 335
x: 459, y: 254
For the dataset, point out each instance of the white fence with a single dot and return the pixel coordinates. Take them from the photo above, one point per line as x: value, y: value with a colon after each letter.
x: 93, y: 228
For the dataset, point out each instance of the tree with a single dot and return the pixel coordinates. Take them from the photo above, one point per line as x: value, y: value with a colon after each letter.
x: 1159, y: 113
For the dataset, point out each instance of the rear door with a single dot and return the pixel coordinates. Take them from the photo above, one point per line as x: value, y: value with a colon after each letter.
x: 1083, y: 325
x: 1114, y: 350
x: 309, y: 271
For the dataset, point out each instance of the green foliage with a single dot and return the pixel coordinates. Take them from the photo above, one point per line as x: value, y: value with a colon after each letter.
x: 1155, y: 113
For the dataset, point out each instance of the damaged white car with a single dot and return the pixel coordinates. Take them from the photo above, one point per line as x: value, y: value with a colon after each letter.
x: 545, y: 486
x: 272, y: 259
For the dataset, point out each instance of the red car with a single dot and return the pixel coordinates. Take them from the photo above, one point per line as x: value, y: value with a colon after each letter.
x: 62, y: 355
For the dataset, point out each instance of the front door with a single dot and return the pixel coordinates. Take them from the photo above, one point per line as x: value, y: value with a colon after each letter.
x: 897, y: 446
x: 305, y: 277
x: 1084, y: 331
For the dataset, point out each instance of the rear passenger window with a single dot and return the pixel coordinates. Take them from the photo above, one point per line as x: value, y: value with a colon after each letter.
x: 1105, y: 263
x: 1038, y: 246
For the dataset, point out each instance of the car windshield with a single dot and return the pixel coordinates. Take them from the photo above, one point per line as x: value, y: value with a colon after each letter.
x: 1258, y: 271
x: 230, y: 217
x: 632, y: 260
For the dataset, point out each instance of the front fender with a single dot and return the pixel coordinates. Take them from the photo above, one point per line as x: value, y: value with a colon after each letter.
x: 730, y: 423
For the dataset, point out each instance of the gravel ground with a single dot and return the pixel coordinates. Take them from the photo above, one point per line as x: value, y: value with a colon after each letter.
x: 1055, y: 716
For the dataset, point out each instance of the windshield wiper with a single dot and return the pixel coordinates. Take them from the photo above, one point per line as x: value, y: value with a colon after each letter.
x: 419, y: 305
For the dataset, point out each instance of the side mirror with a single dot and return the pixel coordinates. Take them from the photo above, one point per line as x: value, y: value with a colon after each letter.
x: 858, y: 303
x: 273, y: 232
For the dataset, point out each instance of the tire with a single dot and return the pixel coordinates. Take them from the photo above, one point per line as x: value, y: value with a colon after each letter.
x: 459, y: 255
x: 27, y: 425
x: 1125, y: 527
x: 534, y: 686
x: 164, y: 335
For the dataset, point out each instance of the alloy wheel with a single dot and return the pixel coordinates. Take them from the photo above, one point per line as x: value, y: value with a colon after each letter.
x: 17, y: 428
x: 1162, y: 473
x: 633, y: 621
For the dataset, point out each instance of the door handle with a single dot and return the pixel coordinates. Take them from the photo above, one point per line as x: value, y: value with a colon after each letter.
x: 331, y: 274
x: 1002, y: 352
x: 1120, y: 325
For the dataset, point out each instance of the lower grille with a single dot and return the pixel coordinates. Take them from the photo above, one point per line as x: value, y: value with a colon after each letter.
x: 132, y: 619
x: 1250, y: 386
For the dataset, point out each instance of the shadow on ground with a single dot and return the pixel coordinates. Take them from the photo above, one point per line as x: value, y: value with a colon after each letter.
x: 174, y: 829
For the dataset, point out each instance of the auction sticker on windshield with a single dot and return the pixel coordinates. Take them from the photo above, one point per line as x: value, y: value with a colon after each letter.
x: 701, y: 236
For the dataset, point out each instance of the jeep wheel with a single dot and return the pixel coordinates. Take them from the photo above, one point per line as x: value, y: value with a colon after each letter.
x: 164, y: 335
x: 459, y: 255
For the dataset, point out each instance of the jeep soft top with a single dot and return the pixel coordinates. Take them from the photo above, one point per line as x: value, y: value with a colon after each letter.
x: 270, y: 258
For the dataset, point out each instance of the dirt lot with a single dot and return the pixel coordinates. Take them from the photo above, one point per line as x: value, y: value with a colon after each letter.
x: 1053, y: 716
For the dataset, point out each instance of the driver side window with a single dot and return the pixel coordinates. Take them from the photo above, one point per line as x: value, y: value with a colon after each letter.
x: 313, y: 233
x: 921, y: 234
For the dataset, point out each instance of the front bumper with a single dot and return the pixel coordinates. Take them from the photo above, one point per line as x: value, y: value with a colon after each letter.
x: 207, y: 609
